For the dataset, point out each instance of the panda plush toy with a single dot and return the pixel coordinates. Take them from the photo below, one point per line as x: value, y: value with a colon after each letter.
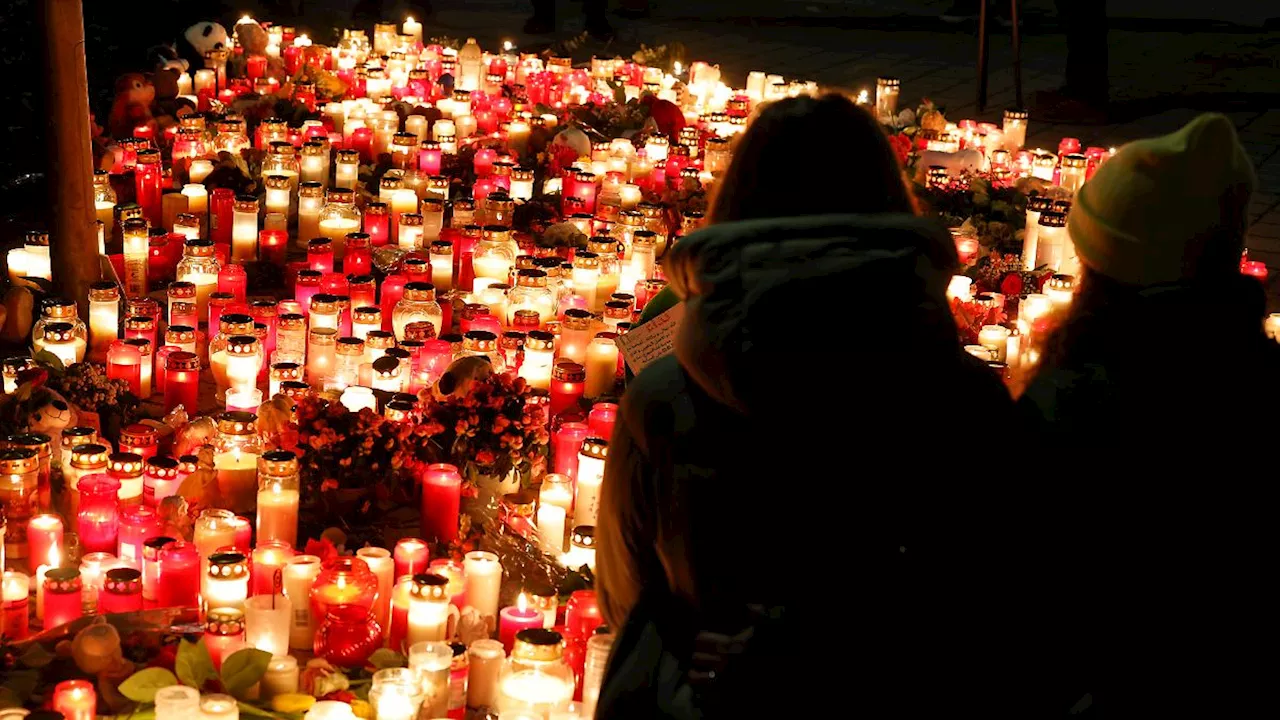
x: 198, y: 39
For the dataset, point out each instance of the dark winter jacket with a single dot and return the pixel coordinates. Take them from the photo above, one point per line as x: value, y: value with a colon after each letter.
x: 819, y: 395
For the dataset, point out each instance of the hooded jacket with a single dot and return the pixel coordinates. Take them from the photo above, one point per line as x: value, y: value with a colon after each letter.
x: 818, y: 392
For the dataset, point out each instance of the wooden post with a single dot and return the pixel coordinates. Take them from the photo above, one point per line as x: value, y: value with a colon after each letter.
x: 73, y: 236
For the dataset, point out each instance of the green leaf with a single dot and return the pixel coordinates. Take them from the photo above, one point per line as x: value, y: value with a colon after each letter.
x: 243, y: 669
x: 193, y: 664
x: 254, y: 710
x: 44, y: 357
x: 384, y: 658
x: 142, y: 685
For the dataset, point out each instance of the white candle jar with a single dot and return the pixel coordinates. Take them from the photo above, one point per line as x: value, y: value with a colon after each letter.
x: 535, y: 679
x: 418, y: 304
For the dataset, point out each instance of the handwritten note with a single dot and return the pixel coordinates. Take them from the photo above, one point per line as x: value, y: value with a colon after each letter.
x: 652, y: 340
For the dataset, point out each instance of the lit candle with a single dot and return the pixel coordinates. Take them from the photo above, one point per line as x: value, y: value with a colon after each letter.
x: 429, y: 609
x: 482, y: 572
x: 53, y: 559
x: 63, y: 598
x: 121, y: 591
x: 278, y: 497
x: 413, y: 29
x: 98, y: 520
x: 567, y: 379
x: 244, y: 229
x: 485, y: 659
x: 441, y: 494
x: 138, y: 523
x: 14, y: 591
x: 136, y: 244
x: 177, y: 702
x: 75, y: 699
x: 299, y: 577
x: 411, y: 556
x: 104, y: 318
x: 44, y: 534
x: 178, y: 582
x: 281, y: 677
x: 996, y: 339
x: 602, y: 365
x: 515, y: 618
x: 1060, y: 289
x: 590, y: 476
x: 226, y: 584
x: 269, y: 558
x: 219, y: 707
x: 267, y: 618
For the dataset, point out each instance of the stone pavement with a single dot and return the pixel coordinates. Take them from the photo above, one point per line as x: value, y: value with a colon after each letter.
x: 1163, y: 71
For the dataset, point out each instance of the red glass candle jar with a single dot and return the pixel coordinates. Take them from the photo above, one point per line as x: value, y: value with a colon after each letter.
x: 138, y: 523
x: 63, y: 592
x: 140, y: 326
x: 601, y: 419
x: 320, y: 255
x: 223, y: 633
x: 347, y: 636
x: 363, y: 291
x: 411, y: 556
x: 141, y: 440
x: 305, y: 287
x: 582, y: 614
x: 151, y: 567
x: 568, y: 380
x: 567, y: 442
x: 266, y: 312
x: 98, y: 520
x: 441, y: 495
x: 392, y: 291
x: 218, y: 304
x: 343, y: 581
x: 377, y: 223
x: 467, y: 318
x: 75, y: 700
x: 222, y: 203
x: 273, y: 244
x: 232, y: 279
x: 121, y: 591
x: 182, y: 381
x: 429, y: 157
x: 124, y: 362
x: 359, y: 257
x: 269, y: 559
x: 179, y: 580
x: 16, y: 609
x: 148, y: 178
x: 162, y: 369
x: 433, y: 359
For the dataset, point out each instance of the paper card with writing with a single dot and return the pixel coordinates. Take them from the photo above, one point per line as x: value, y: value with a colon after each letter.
x: 652, y: 340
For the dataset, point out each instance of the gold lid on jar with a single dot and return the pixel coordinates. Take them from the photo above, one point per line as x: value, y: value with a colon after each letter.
x: 248, y: 203
x: 223, y: 621
x: 124, y: 464
x: 564, y: 371
x: 62, y: 581
x: 322, y: 336
x: 350, y: 346
x: 577, y: 319
x: 235, y: 324
x: 286, y: 371
x: 325, y: 303
x: 242, y: 345
x: 1016, y: 114
x: 104, y: 292
x: 228, y: 566
x: 586, y: 261
x: 531, y: 278
x: 237, y: 422
x: 511, y: 340
x: 367, y: 315
x: 181, y: 289
x: 617, y: 310
x: 430, y: 587
x: 161, y: 467
x: 526, y: 318
x: 89, y: 456
x: 198, y: 247
x: 410, y: 220
x: 521, y: 503
x: 272, y: 182
x: 19, y: 461
x: 538, y: 645
x: 123, y: 581
x: 594, y: 447
x: 150, y: 156
x: 59, y: 308
x: 419, y: 292
x: 583, y: 536
x: 539, y: 340
x: 379, y: 340
x: 291, y: 321
x: 1061, y: 281
x: 282, y: 147
x: 139, y: 435
x: 441, y: 247
x: 419, y: 331
x: 59, y: 332
x: 341, y: 196
x: 481, y: 341
x: 311, y: 189
x: 139, y: 323
x: 78, y: 435
x: 278, y: 463
x: 182, y: 361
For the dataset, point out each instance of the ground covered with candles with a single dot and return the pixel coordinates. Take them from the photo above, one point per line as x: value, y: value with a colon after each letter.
x: 326, y: 439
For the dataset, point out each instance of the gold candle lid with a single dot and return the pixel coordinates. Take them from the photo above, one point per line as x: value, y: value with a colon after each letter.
x: 182, y: 360
x: 278, y: 462
x: 538, y: 644
x: 431, y: 587
x: 161, y: 467
x: 123, y: 463
x: 583, y: 536
x: 594, y: 447
x: 104, y: 292
x: 350, y: 346
x: 89, y: 455
x: 62, y: 580
x: 228, y: 566
x: 237, y: 422
x: 419, y: 331
x: 19, y: 461
x: 568, y: 372
x: 123, y: 581
x: 224, y: 621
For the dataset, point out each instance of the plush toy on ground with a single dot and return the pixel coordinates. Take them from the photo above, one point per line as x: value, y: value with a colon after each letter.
x: 135, y: 96
x: 198, y: 40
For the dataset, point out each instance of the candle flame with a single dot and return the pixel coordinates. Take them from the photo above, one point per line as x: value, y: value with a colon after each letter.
x: 522, y: 603
x: 55, y: 557
x: 508, y: 46
x: 864, y: 97
x: 676, y: 68
x: 408, y: 18
x: 245, y: 19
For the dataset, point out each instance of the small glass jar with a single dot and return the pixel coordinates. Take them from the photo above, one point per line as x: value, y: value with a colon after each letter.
x: 104, y: 317
x: 161, y: 477
x: 19, y: 496
x: 320, y: 254
x: 483, y: 342
x: 348, y: 356
x: 567, y: 385
x: 223, y: 635
x: 282, y: 372
x: 244, y: 361
x: 537, y: 359
x: 365, y: 320
x: 418, y: 304
x: 230, y: 325
x: 291, y: 338
x: 200, y: 267
x: 126, y: 469
x: 535, y: 679
x: 321, y: 355
x: 87, y: 459
x: 282, y: 159
x: 121, y: 591
x: 397, y: 693
x: 98, y: 519
x: 493, y: 257
x: 236, y: 450
x: 60, y: 311
x: 182, y: 381
x: 410, y: 230
x: 339, y: 218
x: 12, y: 368
x: 343, y: 581
x: 347, y: 635
x: 531, y: 293
x: 278, y: 497
x: 325, y: 311
x: 226, y: 583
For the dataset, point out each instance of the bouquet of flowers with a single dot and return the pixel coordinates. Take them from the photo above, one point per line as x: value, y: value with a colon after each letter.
x: 490, y: 429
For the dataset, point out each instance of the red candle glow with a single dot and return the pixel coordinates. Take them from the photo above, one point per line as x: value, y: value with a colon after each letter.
x: 269, y: 558
x: 515, y: 618
x: 179, y: 580
x: 377, y: 223
x: 255, y: 66
x: 568, y: 381
x: 411, y: 555
x: 359, y: 257
x: 582, y: 614
x: 75, y: 699
x: 162, y: 370
x: 441, y: 494
x: 484, y: 160
x: 1254, y: 268
x: 363, y: 291
x: 307, y: 285
x: 98, y: 521
x: 601, y: 419
x: 44, y: 532
x: 243, y: 528
x: 429, y: 156
x: 161, y: 477
x: 433, y: 359
x: 568, y: 441
x: 218, y: 303
x: 148, y: 177
x: 124, y: 362
x: 221, y: 207
x: 121, y: 591
x: 273, y: 244
x: 362, y: 141
x: 320, y: 255
x: 392, y: 291
x: 16, y: 617
x: 62, y: 597
x: 344, y: 581
x: 335, y: 283
x: 182, y: 381
x: 138, y: 523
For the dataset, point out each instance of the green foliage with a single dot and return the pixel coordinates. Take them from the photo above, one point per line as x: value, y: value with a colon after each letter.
x: 384, y: 658
x: 141, y: 686
x: 243, y: 669
x: 193, y: 664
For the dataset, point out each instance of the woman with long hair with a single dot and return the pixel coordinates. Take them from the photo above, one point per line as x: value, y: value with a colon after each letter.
x: 793, y: 455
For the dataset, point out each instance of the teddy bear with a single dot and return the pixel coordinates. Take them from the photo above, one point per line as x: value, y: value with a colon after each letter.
x: 197, y: 40
x: 49, y: 414
x: 134, y: 96
x: 253, y: 39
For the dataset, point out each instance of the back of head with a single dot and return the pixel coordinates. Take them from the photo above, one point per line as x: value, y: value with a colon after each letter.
x: 811, y: 156
x: 1167, y: 208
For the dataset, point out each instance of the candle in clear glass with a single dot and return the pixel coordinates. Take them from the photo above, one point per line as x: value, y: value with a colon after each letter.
x: 14, y: 590
x: 179, y: 577
x: 135, y: 257
x: 244, y: 228
x: 485, y: 659
x: 223, y: 636
x: 121, y: 591
x: 98, y: 519
x: 409, y: 231
x: 348, y: 356
x: 590, y: 476
x: 429, y: 609
x: 602, y: 365
x: 365, y: 320
x: 536, y: 679
x: 200, y: 267
x: 226, y: 583
x: 321, y: 355
x: 299, y: 578
x: 567, y: 385
x: 267, y: 618
x: 177, y: 702
x: 214, y: 529
x: 291, y: 336
x: 243, y: 361
x: 63, y: 597
x: 483, y: 576
x: 19, y: 495
x: 397, y: 694
x: 430, y: 663
x: 281, y: 677
x: 339, y: 218
x: 278, y: 497
x: 347, y: 169
x: 315, y: 162
x: 104, y: 318
x: 235, y: 460
x: 75, y: 699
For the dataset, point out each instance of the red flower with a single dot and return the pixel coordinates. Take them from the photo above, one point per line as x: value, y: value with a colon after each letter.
x: 485, y: 457
x: 1011, y: 285
x: 322, y: 548
x: 560, y: 157
x: 901, y: 145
